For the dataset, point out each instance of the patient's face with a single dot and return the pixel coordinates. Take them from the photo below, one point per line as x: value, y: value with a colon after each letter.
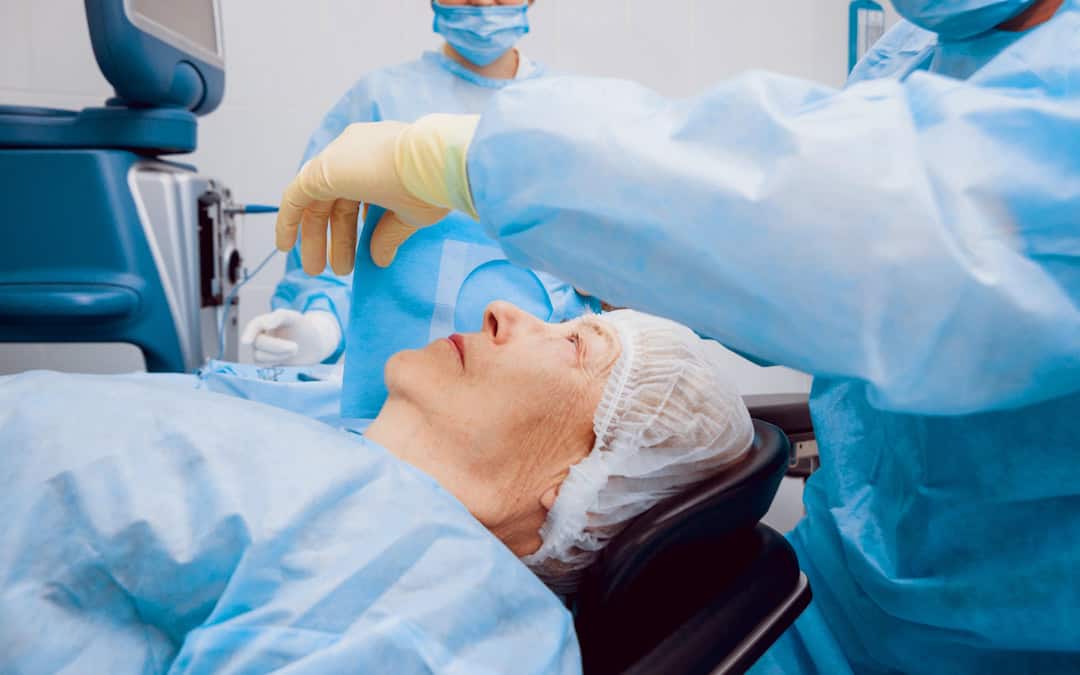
x: 521, y: 392
x: 518, y: 377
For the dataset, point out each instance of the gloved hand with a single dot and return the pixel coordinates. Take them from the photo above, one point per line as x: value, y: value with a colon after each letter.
x: 289, y: 338
x: 415, y: 171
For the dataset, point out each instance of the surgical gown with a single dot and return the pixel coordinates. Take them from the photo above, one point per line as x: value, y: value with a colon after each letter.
x: 444, y: 276
x: 913, y: 241
x: 148, y: 529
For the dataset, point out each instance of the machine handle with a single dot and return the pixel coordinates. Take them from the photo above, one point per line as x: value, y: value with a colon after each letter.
x: 76, y: 303
x: 233, y: 209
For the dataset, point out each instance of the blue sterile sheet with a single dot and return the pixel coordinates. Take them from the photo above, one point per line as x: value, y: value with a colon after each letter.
x: 148, y: 528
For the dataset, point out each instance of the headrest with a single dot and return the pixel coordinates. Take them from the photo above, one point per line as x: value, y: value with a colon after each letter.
x: 733, y: 500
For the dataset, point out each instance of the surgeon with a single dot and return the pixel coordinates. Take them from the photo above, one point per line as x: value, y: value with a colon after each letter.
x: 913, y: 240
x: 446, y: 275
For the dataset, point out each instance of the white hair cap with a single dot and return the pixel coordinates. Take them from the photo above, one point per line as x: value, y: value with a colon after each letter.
x: 669, y: 417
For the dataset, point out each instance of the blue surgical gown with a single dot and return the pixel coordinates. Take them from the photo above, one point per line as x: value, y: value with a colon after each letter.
x: 912, y: 240
x: 148, y: 529
x: 444, y: 276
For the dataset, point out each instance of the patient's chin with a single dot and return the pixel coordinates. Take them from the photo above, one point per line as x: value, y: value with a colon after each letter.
x: 411, y: 372
x: 396, y: 373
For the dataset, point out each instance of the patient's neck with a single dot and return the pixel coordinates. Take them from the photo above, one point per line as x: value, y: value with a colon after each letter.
x: 440, y: 449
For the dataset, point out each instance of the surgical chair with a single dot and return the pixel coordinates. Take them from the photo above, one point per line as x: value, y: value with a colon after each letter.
x: 697, y: 584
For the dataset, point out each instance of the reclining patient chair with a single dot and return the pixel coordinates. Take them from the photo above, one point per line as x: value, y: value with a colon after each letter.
x: 696, y: 584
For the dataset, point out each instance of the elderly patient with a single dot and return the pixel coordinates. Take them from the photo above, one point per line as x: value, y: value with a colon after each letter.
x: 151, y: 530
x: 555, y: 435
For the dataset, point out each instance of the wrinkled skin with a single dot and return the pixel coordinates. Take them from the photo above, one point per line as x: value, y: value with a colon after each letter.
x: 499, y: 417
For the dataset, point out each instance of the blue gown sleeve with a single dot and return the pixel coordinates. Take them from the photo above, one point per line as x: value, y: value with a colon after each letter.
x: 921, y: 236
x: 328, y: 292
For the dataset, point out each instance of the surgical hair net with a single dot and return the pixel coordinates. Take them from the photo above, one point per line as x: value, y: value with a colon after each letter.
x: 668, y: 418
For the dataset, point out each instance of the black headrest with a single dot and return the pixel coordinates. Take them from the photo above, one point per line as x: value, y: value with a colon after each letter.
x: 790, y: 412
x: 734, y: 499
x: 698, y: 552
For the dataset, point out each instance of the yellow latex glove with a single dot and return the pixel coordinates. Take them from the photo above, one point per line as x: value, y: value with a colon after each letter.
x: 415, y: 171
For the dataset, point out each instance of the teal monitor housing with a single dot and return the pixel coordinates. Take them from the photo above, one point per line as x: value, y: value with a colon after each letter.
x: 160, y: 53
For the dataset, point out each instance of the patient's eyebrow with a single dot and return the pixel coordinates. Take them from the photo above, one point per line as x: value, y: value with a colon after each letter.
x: 601, y: 358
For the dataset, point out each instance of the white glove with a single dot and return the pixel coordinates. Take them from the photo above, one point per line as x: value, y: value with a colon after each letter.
x: 289, y: 338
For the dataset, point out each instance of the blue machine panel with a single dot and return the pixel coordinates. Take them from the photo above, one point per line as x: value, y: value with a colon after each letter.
x: 86, y: 272
x: 156, y: 131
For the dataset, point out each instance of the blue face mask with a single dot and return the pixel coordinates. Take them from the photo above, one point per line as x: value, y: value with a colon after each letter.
x: 481, y: 34
x: 958, y: 19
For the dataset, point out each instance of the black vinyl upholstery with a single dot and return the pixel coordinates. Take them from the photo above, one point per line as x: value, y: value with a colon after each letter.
x: 692, y: 577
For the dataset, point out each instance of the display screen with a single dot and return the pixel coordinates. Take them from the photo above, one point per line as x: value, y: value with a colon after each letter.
x: 192, y: 20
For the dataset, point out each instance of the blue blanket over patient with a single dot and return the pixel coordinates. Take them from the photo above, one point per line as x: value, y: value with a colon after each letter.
x: 147, y: 530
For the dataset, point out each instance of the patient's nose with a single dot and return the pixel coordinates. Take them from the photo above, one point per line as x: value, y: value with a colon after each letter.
x: 502, y: 321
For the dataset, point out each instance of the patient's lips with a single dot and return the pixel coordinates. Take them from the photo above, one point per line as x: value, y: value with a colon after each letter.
x: 459, y: 344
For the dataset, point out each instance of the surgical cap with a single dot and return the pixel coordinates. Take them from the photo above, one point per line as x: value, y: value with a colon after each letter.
x: 668, y: 418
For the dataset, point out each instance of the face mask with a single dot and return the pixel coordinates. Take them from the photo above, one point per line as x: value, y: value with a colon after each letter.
x: 481, y: 34
x: 958, y: 19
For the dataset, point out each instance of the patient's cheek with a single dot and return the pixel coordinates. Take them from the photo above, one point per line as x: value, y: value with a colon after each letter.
x: 558, y: 413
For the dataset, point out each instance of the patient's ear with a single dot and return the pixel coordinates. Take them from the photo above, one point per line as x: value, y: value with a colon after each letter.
x: 547, y: 500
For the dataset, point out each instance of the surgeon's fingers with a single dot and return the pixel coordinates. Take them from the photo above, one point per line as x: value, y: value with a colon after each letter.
x: 390, y: 233
x: 251, y: 330
x: 343, y: 229
x: 264, y: 323
x: 275, y: 346
x: 278, y: 318
x: 293, y: 204
x: 313, y: 237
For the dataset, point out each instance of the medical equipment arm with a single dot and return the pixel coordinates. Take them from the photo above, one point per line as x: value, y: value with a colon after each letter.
x: 920, y: 236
